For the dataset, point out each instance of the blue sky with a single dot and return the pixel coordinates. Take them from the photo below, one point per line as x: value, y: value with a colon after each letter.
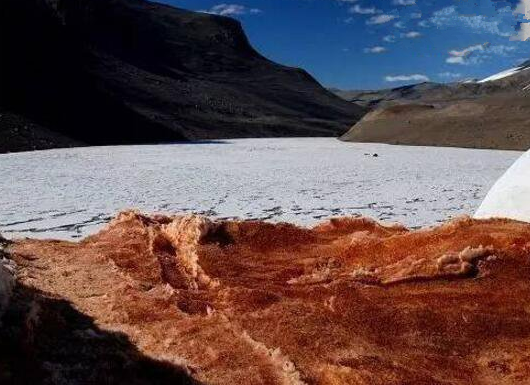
x: 370, y: 44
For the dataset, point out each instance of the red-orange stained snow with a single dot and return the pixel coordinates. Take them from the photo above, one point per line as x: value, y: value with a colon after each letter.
x: 347, y: 302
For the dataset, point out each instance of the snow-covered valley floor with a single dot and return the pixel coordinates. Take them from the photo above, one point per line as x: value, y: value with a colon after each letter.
x: 70, y: 193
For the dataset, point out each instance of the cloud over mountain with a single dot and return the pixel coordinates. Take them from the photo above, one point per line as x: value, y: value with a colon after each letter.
x: 406, y: 78
x: 477, y: 53
x: 231, y: 10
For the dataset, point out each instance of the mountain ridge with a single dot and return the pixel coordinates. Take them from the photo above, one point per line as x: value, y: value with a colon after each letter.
x: 492, y: 113
x: 132, y: 71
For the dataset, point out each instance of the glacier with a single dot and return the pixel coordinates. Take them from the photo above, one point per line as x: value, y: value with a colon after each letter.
x: 70, y: 193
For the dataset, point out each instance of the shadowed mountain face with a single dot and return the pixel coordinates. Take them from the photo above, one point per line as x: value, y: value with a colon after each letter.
x: 486, y: 114
x: 131, y: 71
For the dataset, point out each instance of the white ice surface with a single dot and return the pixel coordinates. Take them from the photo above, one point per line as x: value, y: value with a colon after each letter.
x: 72, y: 192
x: 510, y: 196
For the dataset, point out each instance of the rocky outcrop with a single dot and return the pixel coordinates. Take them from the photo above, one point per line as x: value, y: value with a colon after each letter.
x: 348, y: 301
x: 132, y: 71
x: 7, y: 278
x: 19, y: 133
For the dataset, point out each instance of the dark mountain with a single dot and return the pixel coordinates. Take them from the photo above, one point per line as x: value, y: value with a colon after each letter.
x: 132, y: 71
x: 491, y: 113
x: 18, y: 133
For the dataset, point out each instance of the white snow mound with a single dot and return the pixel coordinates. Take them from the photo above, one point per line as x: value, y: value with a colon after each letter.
x: 510, y: 196
x: 503, y: 74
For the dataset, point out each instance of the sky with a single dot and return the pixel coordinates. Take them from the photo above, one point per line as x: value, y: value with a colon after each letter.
x: 372, y: 44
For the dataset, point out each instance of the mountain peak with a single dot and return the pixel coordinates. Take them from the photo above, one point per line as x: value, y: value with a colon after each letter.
x: 117, y: 71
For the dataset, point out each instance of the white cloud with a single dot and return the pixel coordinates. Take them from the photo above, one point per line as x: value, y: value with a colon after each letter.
x: 399, y: 24
x: 524, y: 8
x: 407, y: 78
x: 450, y: 75
x: 501, y: 49
x: 507, y: 9
x: 415, y: 15
x: 389, y: 38
x: 411, y: 35
x: 455, y: 60
x: 523, y: 34
x: 381, y: 19
x: 377, y: 49
x: 364, y: 11
x: 231, y: 10
x: 467, y: 51
x: 450, y: 17
x: 463, y: 56
x: 478, y: 53
x: 404, y: 2
x: 423, y: 24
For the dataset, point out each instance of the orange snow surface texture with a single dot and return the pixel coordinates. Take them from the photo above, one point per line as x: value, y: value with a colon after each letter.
x: 347, y: 302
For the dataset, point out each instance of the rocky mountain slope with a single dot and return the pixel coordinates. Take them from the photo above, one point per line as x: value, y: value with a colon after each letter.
x: 132, y: 71
x: 350, y: 301
x: 18, y: 133
x: 414, y: 92
x: 439, y: 92
x: 490, y: 113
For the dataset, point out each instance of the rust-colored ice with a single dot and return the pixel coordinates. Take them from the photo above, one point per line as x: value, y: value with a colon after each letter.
x: 347, y: 302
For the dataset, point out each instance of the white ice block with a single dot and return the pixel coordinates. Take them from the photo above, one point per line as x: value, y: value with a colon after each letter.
x: 510, y: 195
